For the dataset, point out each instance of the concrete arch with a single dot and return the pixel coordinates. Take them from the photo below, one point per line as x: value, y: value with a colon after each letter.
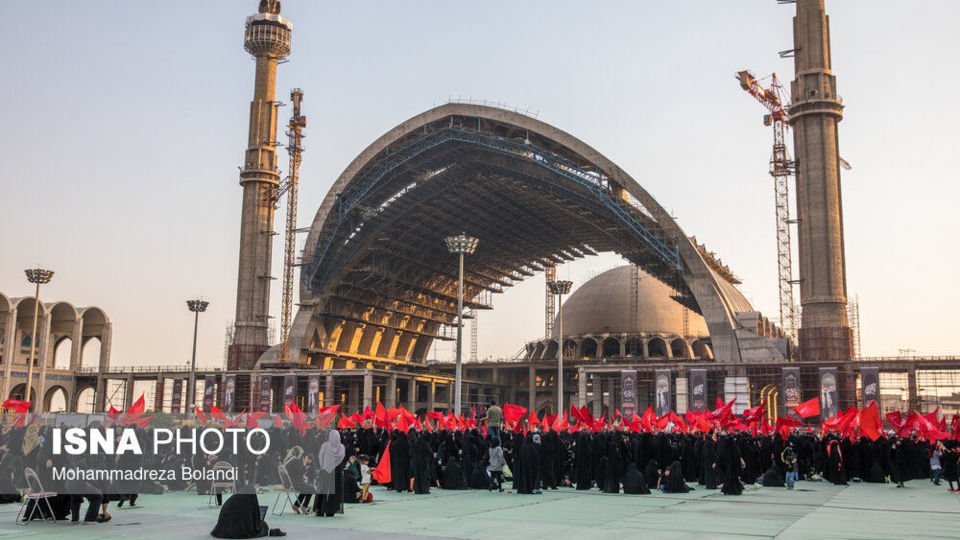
x: 538, y: 350
x: 83, y: 399
x: 18, y: 391
x: 50, y: 395
x: 62, y: 349
x: 701, y: 349
x: 588, y: 348
x: 550, y: 351
x: 658, y: 348
x: 634, y: 346
x: 569, y: 348
x: 679, y: 348
x: 5, y: 303
x: 416, y: 162
x: 611, y: 347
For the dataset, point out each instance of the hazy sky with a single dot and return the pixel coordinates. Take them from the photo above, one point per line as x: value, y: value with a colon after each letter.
x: 123, y: 124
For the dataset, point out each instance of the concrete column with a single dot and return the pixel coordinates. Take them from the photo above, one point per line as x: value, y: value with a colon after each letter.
x: 495, y: 375
x: 597, y: 394
x: 913, y: 403
x: 106, y: 336
x: 431, y: 394
x: 532, y: 387
x: 646, y: 349
x: 411, y: 404
x: 76, y: 345
x: 391, y: 397
x: 45, y: 360
x: 158, y: 394
x: 450, y: 386
x: 100, y: 395
x: 368, y: 389
x: 9, y: 349
x: 328, y: 391
x: 669, y: 349
x: 353, y: 397
x: 128, y: 392
x: 623, y: 346
x: 581, y: 387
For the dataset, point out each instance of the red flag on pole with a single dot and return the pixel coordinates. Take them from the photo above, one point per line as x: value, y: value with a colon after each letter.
x: 200, y: 416
x: 808, y: 408
x: 382, y: 473
x: 870, y: 422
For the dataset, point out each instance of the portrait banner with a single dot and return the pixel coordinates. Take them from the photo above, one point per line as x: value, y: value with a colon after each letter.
x: 661, y: 389
x: 177, y: 396
x: 791, y: 387
x: 265, y: 381
x: 313, y: 394
x: 289, y: 390
x: 870, y: 385
x: 229, y: 392
x: 829, y: 402
x: 209, y: 389
x: 698, y: 390
x: 628, y: 394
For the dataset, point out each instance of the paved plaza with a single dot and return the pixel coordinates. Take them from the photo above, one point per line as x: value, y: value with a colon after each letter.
x: 814, y: 510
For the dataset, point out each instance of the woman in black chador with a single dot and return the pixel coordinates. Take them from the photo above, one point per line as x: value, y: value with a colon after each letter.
x: 582, y: 462
x: 672, y: 480
x: 330, y: 463
x: 527, y: 476
x: 400, y: 461
x: 729, y: 455
x: 240, y: 518
x: 711, y: 473
x: 611, y: 483
x: 422, y: 459
x: 453, y: 475
x: 633, y: 483
x: 833, y: 469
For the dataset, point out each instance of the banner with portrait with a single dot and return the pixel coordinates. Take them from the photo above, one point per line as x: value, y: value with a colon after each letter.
x: 870, y: 385
x: 177, y: 396
x: 209, y: 391
x: 791, y: 387
x: 229, y: 392
x: 265, y: 382
x: 661, y: 392
x: 628, y: 392
x: 698, y: 390
x: 829, y: 399
x: 313, y: 394
x: 289, y: 390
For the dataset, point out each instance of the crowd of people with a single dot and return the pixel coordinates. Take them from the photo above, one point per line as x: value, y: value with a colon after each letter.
x: 328, y: 468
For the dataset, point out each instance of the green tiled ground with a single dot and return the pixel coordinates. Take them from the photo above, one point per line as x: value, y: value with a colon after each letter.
x: 814, y: 510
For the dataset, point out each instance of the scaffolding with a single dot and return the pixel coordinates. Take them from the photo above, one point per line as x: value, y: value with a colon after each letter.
x: 853, y: 316
x: 295, y: 150
x: 550, y: 310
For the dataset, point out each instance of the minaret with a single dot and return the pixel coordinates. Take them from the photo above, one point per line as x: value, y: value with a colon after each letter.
x: 814, y: 112
x: 267, y: 38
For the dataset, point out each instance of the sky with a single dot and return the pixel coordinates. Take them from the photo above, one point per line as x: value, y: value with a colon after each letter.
x: 123, y: 124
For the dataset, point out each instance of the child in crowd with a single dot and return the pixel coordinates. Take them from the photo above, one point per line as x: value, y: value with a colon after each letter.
x: 365, y: 477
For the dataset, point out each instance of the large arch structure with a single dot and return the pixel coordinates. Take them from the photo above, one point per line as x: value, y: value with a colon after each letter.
x: 377, y: 282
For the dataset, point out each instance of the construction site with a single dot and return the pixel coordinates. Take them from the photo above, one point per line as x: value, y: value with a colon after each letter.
x: 455, y: 205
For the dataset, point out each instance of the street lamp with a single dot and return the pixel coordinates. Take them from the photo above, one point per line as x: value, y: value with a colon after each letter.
x: 197, y: 307
x: 560, y: 288
x: 460, y: 245
x: 38, y: 276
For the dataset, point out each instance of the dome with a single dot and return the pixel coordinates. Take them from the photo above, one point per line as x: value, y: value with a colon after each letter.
x: 602, y: 306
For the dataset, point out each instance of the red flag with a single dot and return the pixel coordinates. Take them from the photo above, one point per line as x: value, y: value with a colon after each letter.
x: 785, y: 425
x: 142, y: 422
x: 473, y: 410
x: 870, y: 422
x: 433, y: 415
x: 808, y: 408
x: 403, y: 424
x: 277, y: 422
x: 533, y: 420
x: 138, y: 407
x: 894, y: 418
x: 512, y: 413
x: 380, y: 417
x: 253, y: 419
x: 335, y: 408
x: 235, y: 421
x: 112, y: 415
x: 18, y: 406
x: 382, y: 473
x: 200, y: 416
x: 755, y: 414
x: 217, y: 414
x: 324, y: 418
x: 426, y: 425
x: 345, y: 422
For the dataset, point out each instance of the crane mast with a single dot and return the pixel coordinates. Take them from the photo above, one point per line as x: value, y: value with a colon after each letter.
x: 781, y: 169
x: 295, y: 151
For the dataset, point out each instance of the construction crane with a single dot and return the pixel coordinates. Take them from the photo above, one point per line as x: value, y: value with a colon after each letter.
x: 550, y: 308
x: 781, y: 169
x: 289, y: 187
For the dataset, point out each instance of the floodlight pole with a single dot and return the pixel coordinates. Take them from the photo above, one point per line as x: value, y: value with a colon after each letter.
x: 560, y: 288
x: 38, y: 276
x: 461, y: 245
x: 196, y: 306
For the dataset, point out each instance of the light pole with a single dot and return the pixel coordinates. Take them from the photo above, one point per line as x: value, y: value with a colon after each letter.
x: 560, y: 288
x: 460, y: 245
x: 38, y: 276
x: 197, y: 307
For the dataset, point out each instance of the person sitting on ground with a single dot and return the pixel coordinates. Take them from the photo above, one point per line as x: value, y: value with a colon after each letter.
x: 240, y: 517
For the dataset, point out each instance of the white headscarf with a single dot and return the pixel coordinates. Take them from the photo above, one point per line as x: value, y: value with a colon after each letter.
x: 331, y: 452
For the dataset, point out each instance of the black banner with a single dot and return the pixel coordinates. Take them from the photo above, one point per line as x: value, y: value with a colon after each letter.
x: 791, y: 387
x: 829, y: 402
x: 628, y: 394
x: 177, y: 396
x: 698, y: 390
x: 313, y: 394
x: 661, y: 389
x: 209, y: 387
x: 289, y: 390
x: 265, y: 381
x: 229, y: 392
x: 870, y: 385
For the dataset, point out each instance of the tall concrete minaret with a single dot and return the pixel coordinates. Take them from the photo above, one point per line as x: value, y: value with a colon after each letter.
x: 814, y: 113
x: 267, y: 38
